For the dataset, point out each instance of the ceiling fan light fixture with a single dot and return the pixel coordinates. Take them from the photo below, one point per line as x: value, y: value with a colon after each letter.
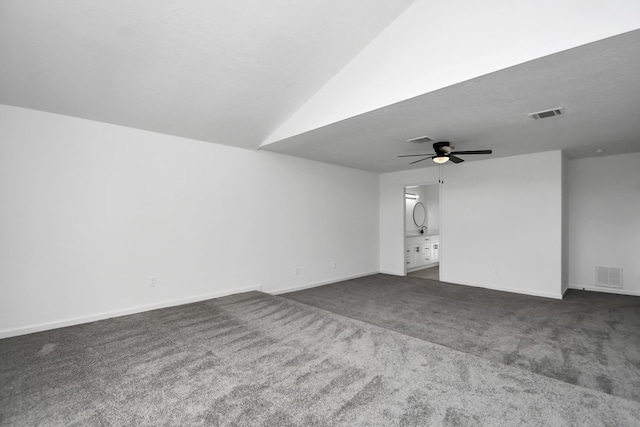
x: 441, y: 159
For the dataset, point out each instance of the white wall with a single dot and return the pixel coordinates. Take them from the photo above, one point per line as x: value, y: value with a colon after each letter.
x: 433, y: 208
x: 409, y: 224
x: 500, y: 222
x: 604, y: 219
x: 312, y: 215
x: 91, y: 210
x: 565, y: 224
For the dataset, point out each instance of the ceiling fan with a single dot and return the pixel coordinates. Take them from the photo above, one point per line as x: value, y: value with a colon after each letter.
x: 444, y: 152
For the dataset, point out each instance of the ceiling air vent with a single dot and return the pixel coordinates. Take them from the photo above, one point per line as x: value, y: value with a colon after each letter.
x: 420, y: 139
x: 547, y: 113
x: 609, y: 277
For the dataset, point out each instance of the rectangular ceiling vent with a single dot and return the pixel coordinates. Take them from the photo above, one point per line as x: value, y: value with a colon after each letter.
x: 547, y: 113
x: 420, y: 139
x: 609, y: 277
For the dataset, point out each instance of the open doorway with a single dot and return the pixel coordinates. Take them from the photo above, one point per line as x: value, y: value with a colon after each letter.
x: 422, y: 231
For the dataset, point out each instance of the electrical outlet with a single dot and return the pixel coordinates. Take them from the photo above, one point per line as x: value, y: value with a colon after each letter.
x: 296, y: 271
x: 153, y: 280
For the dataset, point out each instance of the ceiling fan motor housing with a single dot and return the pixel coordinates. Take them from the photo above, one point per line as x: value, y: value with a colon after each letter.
x: 443, y: 147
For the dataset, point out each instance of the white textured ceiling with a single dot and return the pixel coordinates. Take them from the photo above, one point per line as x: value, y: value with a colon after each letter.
x: 433, y: 45
x: 596, y: 84
x: 225, y: 71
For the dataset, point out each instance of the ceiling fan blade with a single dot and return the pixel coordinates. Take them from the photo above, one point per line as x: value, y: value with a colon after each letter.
x: 426, y: 158
x: 415, y: 155
x: 472, y: 152
x: 455, y: 159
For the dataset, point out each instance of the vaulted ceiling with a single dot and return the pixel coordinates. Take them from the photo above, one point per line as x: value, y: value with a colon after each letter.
x: 595, y: 85
x: 224, y: 71
x: 340, y: 82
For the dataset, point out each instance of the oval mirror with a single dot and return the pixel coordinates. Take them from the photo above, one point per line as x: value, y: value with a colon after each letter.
x: 419, y: 214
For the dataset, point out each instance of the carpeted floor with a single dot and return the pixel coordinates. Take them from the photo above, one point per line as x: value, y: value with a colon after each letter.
x: 256, y: 359
x: 589, y: 339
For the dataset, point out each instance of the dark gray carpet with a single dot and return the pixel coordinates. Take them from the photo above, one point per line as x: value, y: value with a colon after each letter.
x: 589, y: 339
x: 255, y: 359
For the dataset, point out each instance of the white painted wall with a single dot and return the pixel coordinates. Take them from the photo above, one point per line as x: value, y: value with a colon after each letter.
x: 565, y: 223
x: 500, y: 222
x: 410, y: 204
x: 311, y: 215
x: 436, y: 44
x: 604, y: 219
x: 91, y: 210
x: 433, y: 208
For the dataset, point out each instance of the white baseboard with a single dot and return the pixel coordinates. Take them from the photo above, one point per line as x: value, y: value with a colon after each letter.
x: 7, y: 333
x: 605, y: 290
x: 316, y: 284
x: 500, y: 288
x: 391, y: 273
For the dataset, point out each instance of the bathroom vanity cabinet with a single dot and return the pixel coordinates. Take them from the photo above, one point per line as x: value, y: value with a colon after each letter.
x: 422, y: 251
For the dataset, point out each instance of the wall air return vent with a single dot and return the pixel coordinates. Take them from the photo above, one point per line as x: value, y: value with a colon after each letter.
x: 609, y: 277
x: 547, y: 113
x: 420, y: 139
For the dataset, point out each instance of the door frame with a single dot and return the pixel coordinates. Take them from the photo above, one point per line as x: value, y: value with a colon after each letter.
x: 404, y: 221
